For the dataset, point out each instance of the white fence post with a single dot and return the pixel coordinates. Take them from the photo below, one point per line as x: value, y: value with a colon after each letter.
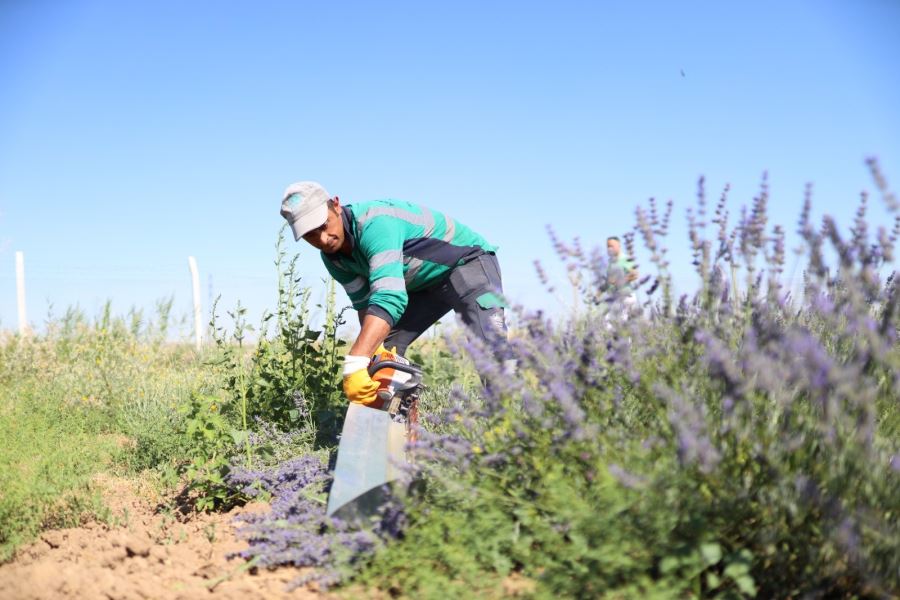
x: 195, y: 283
x: 20, y: 292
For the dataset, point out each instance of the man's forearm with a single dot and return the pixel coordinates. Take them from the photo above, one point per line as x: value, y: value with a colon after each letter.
x: 372, y: 332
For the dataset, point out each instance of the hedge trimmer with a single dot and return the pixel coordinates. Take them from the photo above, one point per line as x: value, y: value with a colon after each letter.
x: 373, y: 442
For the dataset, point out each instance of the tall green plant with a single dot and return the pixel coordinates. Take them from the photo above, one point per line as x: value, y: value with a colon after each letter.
x: 291, y: 377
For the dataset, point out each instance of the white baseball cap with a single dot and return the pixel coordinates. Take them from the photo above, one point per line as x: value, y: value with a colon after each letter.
x: 305, y: 206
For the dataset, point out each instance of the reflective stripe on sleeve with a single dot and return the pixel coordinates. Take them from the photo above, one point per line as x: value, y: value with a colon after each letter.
x: 385, y: 257
x: 389, y: 283
x: 355, y: 285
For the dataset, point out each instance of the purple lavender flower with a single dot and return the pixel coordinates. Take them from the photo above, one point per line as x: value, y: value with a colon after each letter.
x: 627, y: 479
x: 296, y: 530
x: 689, y: 424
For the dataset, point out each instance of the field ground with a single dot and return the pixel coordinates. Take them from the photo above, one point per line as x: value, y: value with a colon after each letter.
x: 149, y: 552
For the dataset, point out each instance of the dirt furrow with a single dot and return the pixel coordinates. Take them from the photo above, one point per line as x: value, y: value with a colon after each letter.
x: 150, y: 554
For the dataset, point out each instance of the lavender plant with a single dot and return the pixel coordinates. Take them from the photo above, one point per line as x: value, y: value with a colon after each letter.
x: 296, y: 531
x: 728, y: 444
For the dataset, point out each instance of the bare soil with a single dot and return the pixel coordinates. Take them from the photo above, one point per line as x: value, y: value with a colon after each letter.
x: 151, y: 553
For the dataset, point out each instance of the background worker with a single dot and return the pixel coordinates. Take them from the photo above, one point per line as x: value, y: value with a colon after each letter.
x: 404, y: 266
x: 618, y: 293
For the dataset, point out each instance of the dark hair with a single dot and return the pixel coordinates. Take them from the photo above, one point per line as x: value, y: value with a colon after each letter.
x: 612, y: 237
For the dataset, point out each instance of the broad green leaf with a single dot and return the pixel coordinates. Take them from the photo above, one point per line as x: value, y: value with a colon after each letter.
x: 239, y: 436
x: 746, y: 584
x: 669, y: 564
x: 711, y: 552
x: 736, y: 569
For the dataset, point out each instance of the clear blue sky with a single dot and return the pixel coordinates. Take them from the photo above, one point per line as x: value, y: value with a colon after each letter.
x: 134, y: 134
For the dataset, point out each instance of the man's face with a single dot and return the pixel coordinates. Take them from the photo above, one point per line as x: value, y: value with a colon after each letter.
x: 613, y: 248
x: 330, y: 236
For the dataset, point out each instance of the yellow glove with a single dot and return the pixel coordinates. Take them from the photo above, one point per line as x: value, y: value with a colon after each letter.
x: 381, y: 350
x: 358, y: 385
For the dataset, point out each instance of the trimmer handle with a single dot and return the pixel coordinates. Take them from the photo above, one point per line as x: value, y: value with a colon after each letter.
x: 413, y: 370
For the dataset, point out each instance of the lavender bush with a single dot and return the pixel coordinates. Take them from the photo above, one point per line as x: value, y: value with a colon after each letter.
x: 296, y: 532
x: 739, y: 441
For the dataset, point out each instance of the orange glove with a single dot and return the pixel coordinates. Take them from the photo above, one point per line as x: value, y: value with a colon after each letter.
x: 358, y: 385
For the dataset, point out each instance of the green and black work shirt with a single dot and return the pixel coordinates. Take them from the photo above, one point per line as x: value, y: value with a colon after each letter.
x: 398, y: 247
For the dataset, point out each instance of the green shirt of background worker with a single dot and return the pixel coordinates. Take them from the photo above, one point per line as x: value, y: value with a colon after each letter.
x: 404, y: 266
x: 620, y: 272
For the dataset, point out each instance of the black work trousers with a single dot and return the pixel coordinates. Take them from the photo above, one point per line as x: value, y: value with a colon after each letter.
x: 473, y: 290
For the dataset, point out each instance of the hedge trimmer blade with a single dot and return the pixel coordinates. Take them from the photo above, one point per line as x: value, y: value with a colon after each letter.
x: 372, y: 446
x: 373, y: 442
